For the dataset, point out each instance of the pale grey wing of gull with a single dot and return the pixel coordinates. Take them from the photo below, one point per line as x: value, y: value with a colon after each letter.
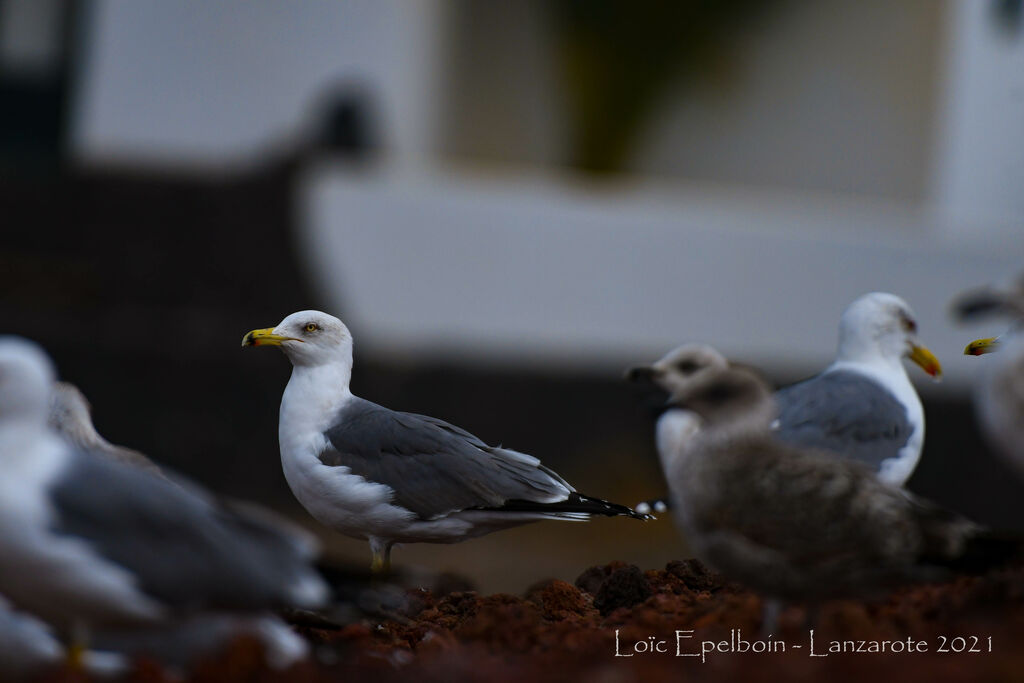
x: 71, y: 417
x: 847, y: 413
x: 432, y: 467
x: 183, y: 549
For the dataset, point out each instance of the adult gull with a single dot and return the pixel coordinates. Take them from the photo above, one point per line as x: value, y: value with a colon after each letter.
x: 862, y: 407
x: 392, y: 477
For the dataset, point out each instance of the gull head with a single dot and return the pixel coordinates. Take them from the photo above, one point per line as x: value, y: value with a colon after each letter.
x: 308, y: 338
x: 26, y: 376
x: 991, y: 302
x: 732, y: 397
x: 70, y: 411
x: 881, y: 326
x: 68, y: 403
x: 983, y: 302
x: 680, y: 367
x: 980, y: 347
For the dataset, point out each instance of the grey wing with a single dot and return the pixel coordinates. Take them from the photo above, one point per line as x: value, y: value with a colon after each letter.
x: 432, y: 467
x: 844, y: 413
x: 184, y: 547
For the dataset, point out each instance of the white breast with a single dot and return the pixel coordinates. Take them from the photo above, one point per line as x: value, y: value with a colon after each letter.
x: 331, y: 494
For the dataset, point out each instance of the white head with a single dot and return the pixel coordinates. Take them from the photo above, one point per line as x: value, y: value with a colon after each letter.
x: 680, y: 367
x: 26, y: 376
x: 881, y: 327
x: 308, y: 338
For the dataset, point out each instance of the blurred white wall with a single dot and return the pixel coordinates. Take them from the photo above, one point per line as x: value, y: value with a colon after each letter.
x: 585, y: 278
x: 979, y: 155
x: 201, y: 82
x: 826, y: 95
x: 868, y: 145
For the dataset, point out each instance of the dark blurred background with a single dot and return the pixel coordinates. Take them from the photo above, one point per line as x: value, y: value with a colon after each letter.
x: 508, y: 203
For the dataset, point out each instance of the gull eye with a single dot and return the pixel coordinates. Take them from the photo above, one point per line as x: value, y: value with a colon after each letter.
x: 312, y: 327
x: 909, y: 324
x: 687, y: 367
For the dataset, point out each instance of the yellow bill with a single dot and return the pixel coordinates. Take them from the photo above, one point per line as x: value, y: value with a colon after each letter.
x: 265, y: 337
x: 926, y: 360
x: 982, y: 346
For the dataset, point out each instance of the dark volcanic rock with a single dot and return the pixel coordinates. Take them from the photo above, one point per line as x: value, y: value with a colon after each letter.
x: 559, y: 600
x: 557, y: 632
x: 693, y: 574
x: 593, y: 578
x: 624, y: 588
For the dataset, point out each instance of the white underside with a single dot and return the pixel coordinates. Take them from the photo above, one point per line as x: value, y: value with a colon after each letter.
x: 674, y: 433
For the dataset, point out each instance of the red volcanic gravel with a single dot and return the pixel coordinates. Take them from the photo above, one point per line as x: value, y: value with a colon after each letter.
x: 559, y: 631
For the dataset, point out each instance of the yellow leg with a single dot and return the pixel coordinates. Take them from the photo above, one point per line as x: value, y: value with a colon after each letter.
x: 78, y: 647
x: 76, y: 657
x: 381, y: 549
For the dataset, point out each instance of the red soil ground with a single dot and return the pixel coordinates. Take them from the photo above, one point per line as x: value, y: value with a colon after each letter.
x: 559, y: 631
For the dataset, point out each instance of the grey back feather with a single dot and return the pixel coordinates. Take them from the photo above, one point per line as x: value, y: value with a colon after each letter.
x: 434, y: 468
x: 185, y: 548
x: 845, y: 413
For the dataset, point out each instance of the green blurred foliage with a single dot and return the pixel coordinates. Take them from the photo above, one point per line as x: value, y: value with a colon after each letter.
x: 619, y: 58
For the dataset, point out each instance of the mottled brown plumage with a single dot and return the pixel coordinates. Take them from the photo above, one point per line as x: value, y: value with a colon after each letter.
x: 796, y: 523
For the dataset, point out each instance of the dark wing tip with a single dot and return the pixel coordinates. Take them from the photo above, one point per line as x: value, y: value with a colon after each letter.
x: 574, y: 503
x: 598, y: 506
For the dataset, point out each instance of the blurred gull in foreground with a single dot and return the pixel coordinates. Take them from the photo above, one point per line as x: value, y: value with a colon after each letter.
x: 29, y: 648
x: 182, y: 643
x: 863, y: 406
x: 86, y: 542
x: 71, y: 417
x: 999, y: 392
x: 392, y: 477
x: 797, y: 523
